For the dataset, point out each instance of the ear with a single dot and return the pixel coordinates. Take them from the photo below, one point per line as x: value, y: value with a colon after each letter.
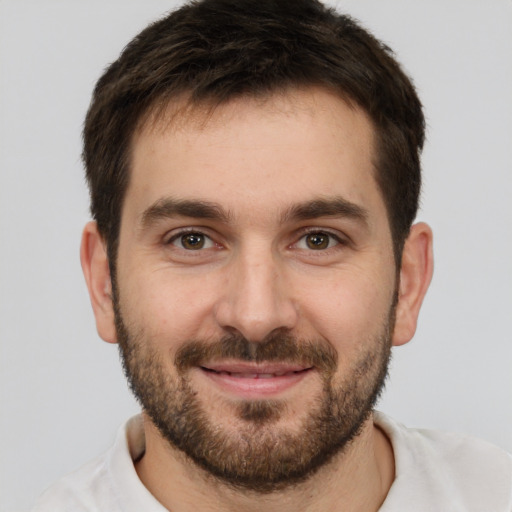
x: 415, y: 276
x: 93, y: 256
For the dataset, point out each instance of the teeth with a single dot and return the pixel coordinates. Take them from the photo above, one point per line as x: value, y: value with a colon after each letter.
x: 244, y: 375
x: 254, y: 375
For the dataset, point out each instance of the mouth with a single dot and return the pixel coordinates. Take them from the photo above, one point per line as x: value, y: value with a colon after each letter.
x: 256, y: 381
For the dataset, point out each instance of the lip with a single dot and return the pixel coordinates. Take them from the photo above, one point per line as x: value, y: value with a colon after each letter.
x: 253, y: 381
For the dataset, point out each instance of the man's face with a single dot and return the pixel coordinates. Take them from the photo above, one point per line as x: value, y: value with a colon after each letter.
x: 256, y: 284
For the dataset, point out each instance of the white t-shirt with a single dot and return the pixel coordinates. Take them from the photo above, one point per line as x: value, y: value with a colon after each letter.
x: 435, y: 472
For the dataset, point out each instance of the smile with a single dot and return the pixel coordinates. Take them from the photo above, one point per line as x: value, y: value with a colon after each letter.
x: 255, y: 381
x: 244, y: 375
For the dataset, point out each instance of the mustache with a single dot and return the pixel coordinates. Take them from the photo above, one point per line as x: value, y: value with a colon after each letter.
x: 278, y: 346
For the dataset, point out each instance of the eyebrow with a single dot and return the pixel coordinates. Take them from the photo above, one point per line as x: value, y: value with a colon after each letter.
x: 168, y: 207
x: 322, y: 207
x: 326, y: 207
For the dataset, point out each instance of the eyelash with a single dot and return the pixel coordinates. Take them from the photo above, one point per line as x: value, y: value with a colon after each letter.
x: 188, y: 231
x: 303, y: 234
x: 319, y: 231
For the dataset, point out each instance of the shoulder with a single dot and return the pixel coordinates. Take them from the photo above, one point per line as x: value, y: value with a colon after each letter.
x: 109, y: 482
x: 79, y: 491
x: 448, y: 470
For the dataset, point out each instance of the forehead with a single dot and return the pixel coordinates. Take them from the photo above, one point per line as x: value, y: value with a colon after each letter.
x: 264, y: 154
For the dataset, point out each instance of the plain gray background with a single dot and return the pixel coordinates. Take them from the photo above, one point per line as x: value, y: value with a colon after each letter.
x: 62, y: 393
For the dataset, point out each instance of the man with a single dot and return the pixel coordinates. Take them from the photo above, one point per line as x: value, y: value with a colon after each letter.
x: 254, y: 175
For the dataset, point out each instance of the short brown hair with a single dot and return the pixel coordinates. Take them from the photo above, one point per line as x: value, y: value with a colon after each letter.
x: 217, y: 50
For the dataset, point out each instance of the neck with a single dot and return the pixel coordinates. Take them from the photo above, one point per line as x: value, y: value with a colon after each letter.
x: 357, y: 479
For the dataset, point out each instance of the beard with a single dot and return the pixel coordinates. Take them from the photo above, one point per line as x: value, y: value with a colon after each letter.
x: 258, y: 455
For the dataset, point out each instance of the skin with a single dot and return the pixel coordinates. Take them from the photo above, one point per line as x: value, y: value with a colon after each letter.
x: 258, y: 161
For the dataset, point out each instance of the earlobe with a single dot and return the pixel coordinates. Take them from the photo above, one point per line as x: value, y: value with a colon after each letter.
x: 415, y: 276
x: 93, y: 256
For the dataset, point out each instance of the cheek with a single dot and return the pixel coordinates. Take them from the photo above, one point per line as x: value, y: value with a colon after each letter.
x: 169, y: 308
x: 348, y: 308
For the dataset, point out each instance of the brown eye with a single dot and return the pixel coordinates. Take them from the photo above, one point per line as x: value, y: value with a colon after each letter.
x: 318, y: 241
x: 193, y: 241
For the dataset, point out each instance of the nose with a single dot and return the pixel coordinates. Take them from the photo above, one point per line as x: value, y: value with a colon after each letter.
x: 256, y: 300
